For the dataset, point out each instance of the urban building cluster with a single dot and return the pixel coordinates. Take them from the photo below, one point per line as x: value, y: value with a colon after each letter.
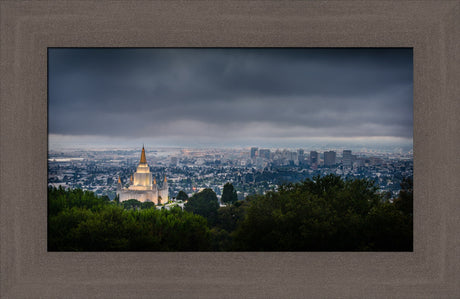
x: 314, y: 159
x: 250, y: 170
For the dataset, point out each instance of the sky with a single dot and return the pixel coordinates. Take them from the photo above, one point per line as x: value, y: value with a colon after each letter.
x: 229, y: 97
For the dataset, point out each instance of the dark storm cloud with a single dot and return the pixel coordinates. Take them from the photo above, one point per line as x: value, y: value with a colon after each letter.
x: 271, y: 93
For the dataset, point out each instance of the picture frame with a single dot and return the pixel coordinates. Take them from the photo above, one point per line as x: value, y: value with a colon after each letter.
x: 29, y: 28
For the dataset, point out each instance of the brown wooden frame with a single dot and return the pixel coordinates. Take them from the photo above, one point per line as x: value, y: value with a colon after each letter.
x: 28, y: 28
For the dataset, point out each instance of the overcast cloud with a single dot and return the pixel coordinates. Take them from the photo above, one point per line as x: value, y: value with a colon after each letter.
x: 230, y: 96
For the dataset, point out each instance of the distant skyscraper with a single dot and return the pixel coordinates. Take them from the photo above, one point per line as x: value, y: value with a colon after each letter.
x: 347, y: 158
x: 314, y: 158
x: 264, y: 153
x: 329, y: 158
x: 301, y: 156
x: 253, y: 152
x: 173, y: 161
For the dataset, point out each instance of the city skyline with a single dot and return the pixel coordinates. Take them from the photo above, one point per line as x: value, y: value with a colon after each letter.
x: 230, y: 97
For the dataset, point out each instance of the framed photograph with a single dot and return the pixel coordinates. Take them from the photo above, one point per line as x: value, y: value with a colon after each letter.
x: 246, y: 149
x: 43, y: 104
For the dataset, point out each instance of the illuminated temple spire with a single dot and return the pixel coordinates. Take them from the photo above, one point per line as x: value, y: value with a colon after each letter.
x: 143, y: 159
x: 142, y: 185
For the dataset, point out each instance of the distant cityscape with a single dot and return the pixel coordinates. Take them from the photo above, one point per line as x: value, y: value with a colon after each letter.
x: 251, y: 170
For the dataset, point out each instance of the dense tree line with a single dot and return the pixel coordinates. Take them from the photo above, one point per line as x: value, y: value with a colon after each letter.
x: 319, y: 214
x: 80, y: 221
x: 326, y: 214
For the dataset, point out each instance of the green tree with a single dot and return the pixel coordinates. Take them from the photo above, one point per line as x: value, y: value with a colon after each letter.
x: 62, y: 228
x: 221, y: 239
x: 147, y: 205
x: 229, y: 195
x: 204, y: 203
x: 103, y: 231
x: 81, y: 221
x: 323, y: 214
x: 105, y: 198
x: 131, y: 204
x: 389, y: 229
x: 182, y: 196
x: 404, y: 202
x: 230, y: 217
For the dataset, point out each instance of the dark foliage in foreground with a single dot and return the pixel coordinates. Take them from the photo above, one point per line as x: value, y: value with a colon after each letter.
x: 204, y: 203
x: 100, y: 225
x: 323, y: 214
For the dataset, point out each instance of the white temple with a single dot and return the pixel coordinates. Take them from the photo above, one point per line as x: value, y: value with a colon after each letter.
x: 141, y: 187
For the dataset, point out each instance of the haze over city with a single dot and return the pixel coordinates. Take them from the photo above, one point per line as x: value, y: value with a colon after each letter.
x: 287, y: 98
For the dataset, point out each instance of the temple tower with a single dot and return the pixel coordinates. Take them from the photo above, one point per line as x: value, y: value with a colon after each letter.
x: 143, y: 176
x: 143, y: 186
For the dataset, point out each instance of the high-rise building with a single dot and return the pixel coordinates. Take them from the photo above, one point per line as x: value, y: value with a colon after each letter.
x: 141, y: 186
x: 264, y: 153
x: 347, y: 159
x: 301, y: 156
x: 295, y: 158
x: 253, y: 152
x: 329, y: 158
x: 314, y: 158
